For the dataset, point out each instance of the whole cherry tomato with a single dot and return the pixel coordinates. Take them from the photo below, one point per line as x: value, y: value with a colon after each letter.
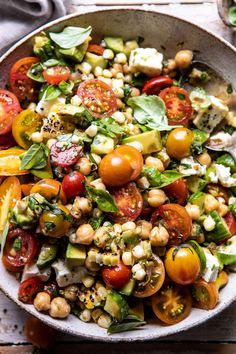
x: 54, y: 75
x: 116, y: 277
x: 177, y: 191
x: 156, y: 84
x: 179, y: 142
x: 72, y: 184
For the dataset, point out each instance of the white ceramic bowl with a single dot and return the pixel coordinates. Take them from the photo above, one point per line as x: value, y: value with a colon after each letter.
x: 169, y: 34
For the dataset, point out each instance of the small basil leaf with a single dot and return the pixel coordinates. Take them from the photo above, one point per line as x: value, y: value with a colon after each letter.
x: 160, y: 180
x: 168, y: 177
x: 35, y: 158
x: 96, y: 222
x: 71, y: 36
x: 232, y: 15
x: 125, y: 326
x: 103, y: 199
x: 52, y: 93
x: 36, y: 73
x: 66, y: 87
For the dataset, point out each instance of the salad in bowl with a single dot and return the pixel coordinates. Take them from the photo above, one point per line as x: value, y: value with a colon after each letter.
x: 118, y: 181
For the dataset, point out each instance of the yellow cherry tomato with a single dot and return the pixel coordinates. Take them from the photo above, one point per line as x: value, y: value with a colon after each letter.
x: 55, y: 223
x: 10, y: 162
x: 49, y: 188
x: 179, y: 142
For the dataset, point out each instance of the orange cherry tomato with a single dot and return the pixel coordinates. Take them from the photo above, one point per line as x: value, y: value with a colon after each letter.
x: 9, y: 108
x: 182, y: 264
x: 55, y: 224
x: 26, y: 188
x: 28, y: 289
x: 178, y: 105
x: 205, y: 295
x: 177, y: 191
x: 55, y: 74
x: 179, y: 142
x: 96, y: 49
x: 20, y: 84
x: 49, y: 188
x: 38, y: 333
x: 10, y: 162
x: 116, y: 277
x: 135, y: 159
x: 172, y: 304
x: 156, y: 84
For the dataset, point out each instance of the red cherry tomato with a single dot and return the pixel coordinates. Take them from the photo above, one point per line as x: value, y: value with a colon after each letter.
x: 176, y: 220
x: 20, y: 249
x: 97, y: 97
x: 20, y: 84
x: 7, y: 141
x: 38, y: 333
x: 231, y: 222
x: 9, y: 108
x: 116, y: 277
x: 96, y: 49
x: 178, y: 105
x: 65, y: 156
x: 55, y: 74
x: 129, y: 202
x: 156, y: 84
x: 72, y: 184
x: 28, y: 290
x: 177, y: 191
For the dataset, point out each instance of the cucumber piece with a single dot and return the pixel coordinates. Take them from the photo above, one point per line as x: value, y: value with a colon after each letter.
x: 116, y: 306
x: 115, y: 43
x: 198, y: 198
x: 95, y: 60
x: 196, y: 184
x: 227, y: 253
x: 47, y: 255
x: 151, y: 141
x: 128, y: 288
x: 221, y: 230
x: 228, y: 161
x: 102, y: 144
x: 198, y: 249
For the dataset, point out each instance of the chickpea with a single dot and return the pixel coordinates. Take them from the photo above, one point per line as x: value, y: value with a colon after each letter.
x: 42, y: 301
x: 183, y: 59
x: 84, y: 166
x: 171, y: 66
x: 156, y: 197
x: 193, y: 211
x: 155, y: 162
x: 159, y: 236
x: 204, y: 159
x: 81, y: 206
x: 84, y: 235
x: 134, y: 92
x: 128, y: 226
x: 210, y: 203
x: 97, y: 183
x: 119, y: 103
x: 70, y: 292
x: 223, y: 209
x: 59, y: 308
x: 145, y: 228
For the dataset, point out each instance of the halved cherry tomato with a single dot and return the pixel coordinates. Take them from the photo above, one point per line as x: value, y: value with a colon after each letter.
x: 172, y: 304
x: 38, y: 333
x: 72, y: 184
x: 182, y: 264
x: 177, y: 191
x: 205, y: 295
x: 20, y: 249
x: 178, y: 105
x: 55, y: 74
x: 10, y: 192
x: 176, y: 220
x: 29, y: 289
x: 154, y: 279
x: 156, y: 84
x: 26, y: 188
x: 24, y: 124
x: 10, y: 162
x: 20, y: 84
x: 97, y: 97
x: 7, y: 141
x: 179, y: 142
x: 231, y: 222
x: 129, y: 202
x: 50, y: 189
x: 9, y: 108
x: 116, y: 277
x: 96, y: 49
x: 55, y: 223
x: 135, y: 159
x: 65, y: 156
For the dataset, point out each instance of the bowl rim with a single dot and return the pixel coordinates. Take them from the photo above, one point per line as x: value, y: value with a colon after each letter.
x: 28, y: 308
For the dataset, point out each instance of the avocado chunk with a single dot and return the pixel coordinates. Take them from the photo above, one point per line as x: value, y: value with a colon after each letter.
x: 116, y: 306
x: 95, y: 60
x: 76, y: 53
x: 129, y: 46
x: 151, y: 141
x: 196, y: 184
x: 75, y: 255
x: 102, y: 144
x: 221, y: 230
x: 128, y: 288
x: 47, y: 255
x: 68, y: 111
x: 115, y: 43
x: 227, y: 253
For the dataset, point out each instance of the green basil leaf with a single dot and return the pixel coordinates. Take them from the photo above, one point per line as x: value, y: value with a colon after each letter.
x: 4, y: 236
x: 71, y: 36
x: 160, y: 180
x: 108, y: 127
x: 35, y: 158
x: 66, y: 87
x: 103, y: 199
x: 51, y: 62
x: 52, y: 93
x: 232, y: 15
x: 96, y: 222
x: 150, y: 111
x: 36, y: 73
x: 168, y: 177
x: 125, y: 326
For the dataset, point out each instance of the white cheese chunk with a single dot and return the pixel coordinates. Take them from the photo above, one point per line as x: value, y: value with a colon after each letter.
x: 146, y: 60
x: 65, y: 275
x: 43, y: 107
x: 189, y: 167
x: 33, y: 271
x: 208, y: 119
x: 224, y: 176
x: 212, y: 267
